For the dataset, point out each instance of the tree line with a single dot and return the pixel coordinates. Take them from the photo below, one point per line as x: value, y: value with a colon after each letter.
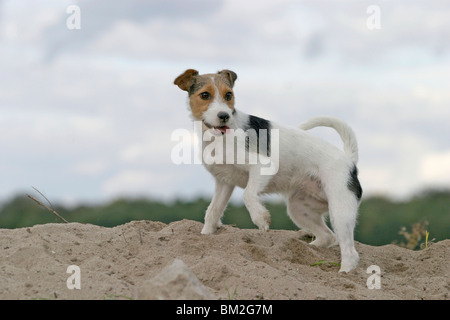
x: 381, y: 220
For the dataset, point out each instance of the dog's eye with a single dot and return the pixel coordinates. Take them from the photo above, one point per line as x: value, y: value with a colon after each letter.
x: 205, y: 95
x: 228, y: 96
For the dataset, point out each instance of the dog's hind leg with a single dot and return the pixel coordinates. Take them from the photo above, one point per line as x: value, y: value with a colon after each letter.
x: 307, y: 213
x: 217, y: 207
x: 343, y: 208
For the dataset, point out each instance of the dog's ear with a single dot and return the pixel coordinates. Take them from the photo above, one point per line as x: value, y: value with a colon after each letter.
x: 185, y: 80
x: 231, y: 75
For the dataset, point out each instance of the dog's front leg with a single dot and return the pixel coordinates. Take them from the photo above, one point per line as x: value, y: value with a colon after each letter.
x: 256, y: 184
x: 216, y: 208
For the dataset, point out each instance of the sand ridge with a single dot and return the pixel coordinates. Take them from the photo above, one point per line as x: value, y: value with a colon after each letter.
x: 233, y: 263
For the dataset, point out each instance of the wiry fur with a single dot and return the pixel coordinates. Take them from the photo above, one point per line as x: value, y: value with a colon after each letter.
x: 314, y: 176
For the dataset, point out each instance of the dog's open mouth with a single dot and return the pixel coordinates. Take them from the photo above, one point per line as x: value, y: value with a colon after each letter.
x: 222, y: 129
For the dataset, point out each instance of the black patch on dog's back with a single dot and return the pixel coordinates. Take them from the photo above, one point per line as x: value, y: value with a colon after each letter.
x: 257, y: 124
x: 353, y: 183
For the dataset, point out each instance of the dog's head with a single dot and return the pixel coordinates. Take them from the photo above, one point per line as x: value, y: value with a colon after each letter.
x: 211, y: 97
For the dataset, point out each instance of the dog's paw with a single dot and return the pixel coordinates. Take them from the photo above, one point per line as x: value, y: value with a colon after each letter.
x: 207, y: 229
x: 262, y: 221
x: 325, y: 241
x: 349, y: 263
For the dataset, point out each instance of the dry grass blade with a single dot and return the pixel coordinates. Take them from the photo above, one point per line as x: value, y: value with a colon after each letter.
x: 49, y: 209
x: 43, y: 195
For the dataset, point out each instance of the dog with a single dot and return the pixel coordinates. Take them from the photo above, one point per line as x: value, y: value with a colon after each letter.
x: 314, y: 176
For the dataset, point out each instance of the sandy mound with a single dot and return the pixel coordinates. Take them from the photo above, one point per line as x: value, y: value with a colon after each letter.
x: 239, y: 264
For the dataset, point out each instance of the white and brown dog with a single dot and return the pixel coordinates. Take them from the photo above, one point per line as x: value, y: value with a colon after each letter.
x: 314, y: 176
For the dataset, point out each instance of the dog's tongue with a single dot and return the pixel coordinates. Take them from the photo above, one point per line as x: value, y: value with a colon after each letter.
x: 223, y: 129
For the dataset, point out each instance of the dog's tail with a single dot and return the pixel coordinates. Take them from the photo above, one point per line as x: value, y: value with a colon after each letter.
x: 345, y: 132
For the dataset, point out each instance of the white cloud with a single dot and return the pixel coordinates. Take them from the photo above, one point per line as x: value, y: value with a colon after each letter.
x: 375, y: 179
x: 97, y: 106
x: 91, y: 167
x: 138, y: 182
x: 435, y: 169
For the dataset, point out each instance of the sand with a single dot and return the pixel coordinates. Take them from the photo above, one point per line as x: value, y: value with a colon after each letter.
x: 233, y: 263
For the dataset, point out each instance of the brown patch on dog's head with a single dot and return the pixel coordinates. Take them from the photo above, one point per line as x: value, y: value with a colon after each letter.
x: 201, y: 96
x: 184, y: 81
x: 230, y: 76
x: 202, y: 89
x: 224, y: 82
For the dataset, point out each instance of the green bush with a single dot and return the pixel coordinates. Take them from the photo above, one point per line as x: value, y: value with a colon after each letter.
x: 379, y: 222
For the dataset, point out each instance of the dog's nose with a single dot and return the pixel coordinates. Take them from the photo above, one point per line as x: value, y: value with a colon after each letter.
x: 224, y: 116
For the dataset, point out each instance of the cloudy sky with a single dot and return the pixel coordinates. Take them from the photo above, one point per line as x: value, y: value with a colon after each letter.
x: 87, y: 114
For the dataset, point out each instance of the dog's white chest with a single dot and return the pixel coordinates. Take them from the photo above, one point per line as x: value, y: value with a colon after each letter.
x: 231, y: 174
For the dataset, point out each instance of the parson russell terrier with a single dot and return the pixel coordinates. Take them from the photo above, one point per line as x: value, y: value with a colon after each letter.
x: 314, y: 176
